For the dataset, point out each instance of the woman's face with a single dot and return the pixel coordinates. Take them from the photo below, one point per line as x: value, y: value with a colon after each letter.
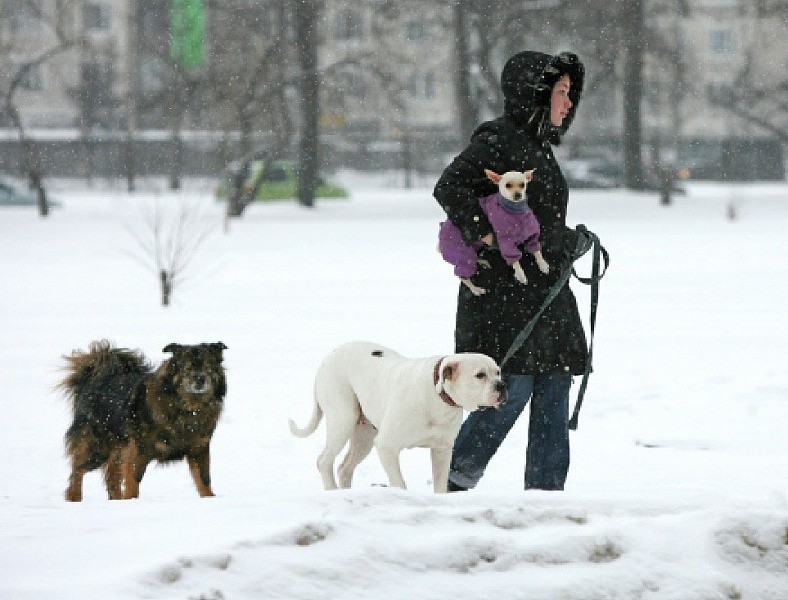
x: 559, y: 101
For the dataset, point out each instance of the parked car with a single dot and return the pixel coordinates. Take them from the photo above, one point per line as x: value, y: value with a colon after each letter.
x: 582, y: 173
x: 604, y: 173
x: 732, y: 160
x: 271, y: 180
x: 11, y: 195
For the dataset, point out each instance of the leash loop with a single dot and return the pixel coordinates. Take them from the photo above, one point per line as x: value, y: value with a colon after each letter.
x: 586, y: 240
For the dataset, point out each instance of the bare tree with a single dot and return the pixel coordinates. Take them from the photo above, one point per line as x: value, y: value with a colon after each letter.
x: 633, y: 94
x: 401, y: 72
x: 170, y: 91
x: 95, y: 99
x: 612, y: 43
x: 743, y: 101
x: 169, y: 238
x: 130, y: 102
x: 59, y: 41
x: 500, y: 29
x: 306, y: 15
x: 251, y: 95
x: 466, y: 107
x: 758, y: 93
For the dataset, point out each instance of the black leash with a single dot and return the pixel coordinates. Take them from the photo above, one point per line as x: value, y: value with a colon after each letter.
x: 586, y: 241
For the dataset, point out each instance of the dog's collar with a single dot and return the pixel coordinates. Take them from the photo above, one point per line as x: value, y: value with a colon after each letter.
x: 513, y: 208
x: 436, y: 378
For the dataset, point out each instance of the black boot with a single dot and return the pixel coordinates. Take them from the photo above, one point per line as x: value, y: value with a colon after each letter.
x: 453, y: 487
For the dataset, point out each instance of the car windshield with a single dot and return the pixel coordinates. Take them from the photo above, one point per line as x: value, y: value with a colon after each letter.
x: 275, y: 173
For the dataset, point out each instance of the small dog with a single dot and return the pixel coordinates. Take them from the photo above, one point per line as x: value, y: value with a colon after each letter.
x: 513, y: 222
x: 126, y: 414
x: 372, y: 395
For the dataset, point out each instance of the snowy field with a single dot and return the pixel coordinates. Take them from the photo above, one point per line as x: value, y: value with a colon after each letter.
x: 679, y: 481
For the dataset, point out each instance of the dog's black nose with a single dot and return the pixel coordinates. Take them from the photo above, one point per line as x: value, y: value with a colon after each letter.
x: 200, y: 380
x: 500, y: 387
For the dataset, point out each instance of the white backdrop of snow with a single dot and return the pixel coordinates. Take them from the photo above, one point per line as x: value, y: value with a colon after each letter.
x: 679, y: 481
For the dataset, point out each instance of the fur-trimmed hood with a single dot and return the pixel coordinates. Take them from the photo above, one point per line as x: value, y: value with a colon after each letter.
x: 527, y: 80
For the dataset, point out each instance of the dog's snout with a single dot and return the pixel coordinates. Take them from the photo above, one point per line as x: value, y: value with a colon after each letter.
x: 200, y: 381
x: 500, y: 387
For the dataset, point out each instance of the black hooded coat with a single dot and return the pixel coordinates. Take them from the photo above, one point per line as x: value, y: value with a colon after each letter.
x: 519, y: 140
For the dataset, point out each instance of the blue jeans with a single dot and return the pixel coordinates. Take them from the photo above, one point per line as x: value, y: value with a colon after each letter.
x: 547, y: 455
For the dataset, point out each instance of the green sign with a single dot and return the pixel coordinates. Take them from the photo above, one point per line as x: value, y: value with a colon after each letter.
x: 187, y: 27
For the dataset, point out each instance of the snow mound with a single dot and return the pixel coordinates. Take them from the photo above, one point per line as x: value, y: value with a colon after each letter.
x: 393, y: 544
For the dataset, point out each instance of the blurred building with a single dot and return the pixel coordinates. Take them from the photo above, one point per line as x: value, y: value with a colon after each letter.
x: 53, y: 92
x: 387, y: 81
x: 399, y: 69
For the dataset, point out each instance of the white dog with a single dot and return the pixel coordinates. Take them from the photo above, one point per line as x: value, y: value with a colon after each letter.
x: 372, y: 395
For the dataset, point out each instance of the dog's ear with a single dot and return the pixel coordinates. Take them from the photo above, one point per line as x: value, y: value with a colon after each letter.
x: 529, y: 175
x: 216, y: 349
x: 172, y: 347
x: 492, y: 176
x: 449, y: 371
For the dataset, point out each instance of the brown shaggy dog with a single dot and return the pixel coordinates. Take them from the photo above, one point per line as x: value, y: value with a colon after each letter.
x: 127, y: 415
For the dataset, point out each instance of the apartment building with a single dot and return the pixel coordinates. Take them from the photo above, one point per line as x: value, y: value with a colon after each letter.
x: 401, y: 61
x: 388, y: 66
x: 720, y: 45
x: 87, y: 59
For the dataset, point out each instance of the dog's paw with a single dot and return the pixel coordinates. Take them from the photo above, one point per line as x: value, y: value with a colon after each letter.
x: 543, y: 267
x: 484, y: 263
x: 475, y: 289
x: 519, y: 275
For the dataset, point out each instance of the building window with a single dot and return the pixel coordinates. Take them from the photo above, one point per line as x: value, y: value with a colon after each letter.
x: 722, y: 41
x: 95, y: 17
x: 413, y: 86
x: 152, y: 74
x: 421, y: 86
x: 348, y: 25
x: 33, y: 80
x: 352, y: 84
x: 416, y: 32
x: 95, y: 94
x: 22, y: 18
x: 429, y: 85
x: 720, y: 92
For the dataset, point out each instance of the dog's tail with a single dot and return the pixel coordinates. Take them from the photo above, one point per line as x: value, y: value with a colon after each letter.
x: 87, y: 370
x: 317, y: 416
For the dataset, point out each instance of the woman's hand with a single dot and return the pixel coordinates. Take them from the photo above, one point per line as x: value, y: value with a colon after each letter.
x: 489, y: 239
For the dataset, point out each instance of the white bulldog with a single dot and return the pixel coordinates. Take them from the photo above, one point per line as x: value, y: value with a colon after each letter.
x: 372, y: 395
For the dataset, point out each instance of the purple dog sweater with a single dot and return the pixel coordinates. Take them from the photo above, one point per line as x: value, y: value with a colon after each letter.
x: 513, y: 223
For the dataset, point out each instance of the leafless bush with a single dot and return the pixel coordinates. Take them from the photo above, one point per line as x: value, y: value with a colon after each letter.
x: 169, y: 238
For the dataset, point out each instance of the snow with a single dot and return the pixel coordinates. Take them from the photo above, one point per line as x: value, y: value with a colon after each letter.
x: 679, y: 481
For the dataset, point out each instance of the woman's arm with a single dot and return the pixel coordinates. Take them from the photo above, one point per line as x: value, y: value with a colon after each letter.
x: 464, y: 181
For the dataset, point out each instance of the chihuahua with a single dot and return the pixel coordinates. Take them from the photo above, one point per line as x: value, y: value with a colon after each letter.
x: 513, y: 222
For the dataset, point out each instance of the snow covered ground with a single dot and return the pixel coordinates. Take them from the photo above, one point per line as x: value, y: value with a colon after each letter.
x: 679, y: 481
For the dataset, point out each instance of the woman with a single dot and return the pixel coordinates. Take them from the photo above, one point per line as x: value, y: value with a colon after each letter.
x: 541, y: 94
